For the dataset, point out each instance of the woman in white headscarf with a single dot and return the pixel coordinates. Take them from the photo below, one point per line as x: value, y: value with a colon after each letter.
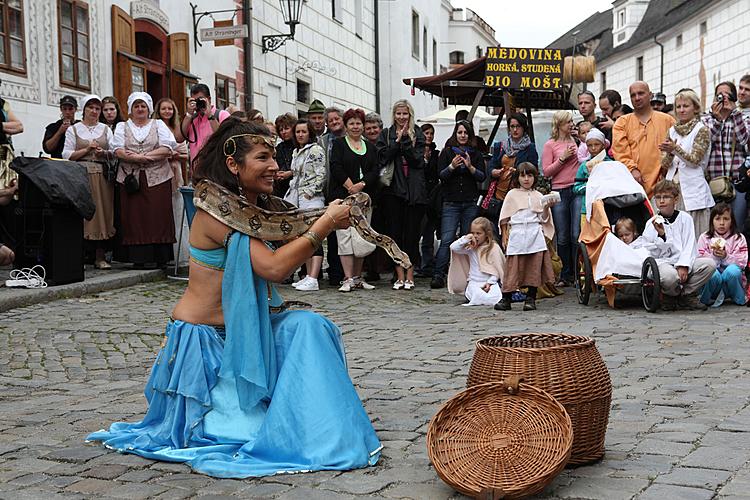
x: 88, y: 142
x: 144, y: 146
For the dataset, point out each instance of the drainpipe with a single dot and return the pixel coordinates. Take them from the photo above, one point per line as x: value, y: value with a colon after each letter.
x: 661, y: 64
x: 377, y: 57
x: 247, y: 15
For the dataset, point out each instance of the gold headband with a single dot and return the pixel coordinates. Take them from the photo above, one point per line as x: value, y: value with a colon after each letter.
x: 230, y: 145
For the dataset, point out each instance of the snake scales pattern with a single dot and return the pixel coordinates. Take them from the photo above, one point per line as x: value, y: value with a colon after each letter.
x: 284, y: 221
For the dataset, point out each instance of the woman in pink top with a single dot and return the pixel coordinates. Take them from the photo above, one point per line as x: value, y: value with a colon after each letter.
x: 560, y: 163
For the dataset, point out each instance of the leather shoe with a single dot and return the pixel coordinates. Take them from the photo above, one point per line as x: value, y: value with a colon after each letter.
x: 437, y: 282
x: 503, y: 305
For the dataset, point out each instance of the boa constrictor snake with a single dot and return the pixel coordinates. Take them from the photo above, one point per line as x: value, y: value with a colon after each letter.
x: 284, y: 221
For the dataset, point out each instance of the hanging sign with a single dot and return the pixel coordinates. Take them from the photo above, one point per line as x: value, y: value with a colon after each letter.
x: 513, y: 68
x: 224, y: 33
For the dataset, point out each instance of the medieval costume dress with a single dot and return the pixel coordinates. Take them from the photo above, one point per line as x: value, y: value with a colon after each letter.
x: 528, y: 260
x: 148, y: 230
x: 268, y: 393
x: 78, y: 136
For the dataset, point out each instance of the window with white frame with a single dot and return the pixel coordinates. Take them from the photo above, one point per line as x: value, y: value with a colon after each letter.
x: 12, y: 36
x: 73, y: 28
x: 621, y: 18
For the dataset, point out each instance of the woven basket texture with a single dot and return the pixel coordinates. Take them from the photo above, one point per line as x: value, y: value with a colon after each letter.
x: 485, y: 439
x: 568, y: 367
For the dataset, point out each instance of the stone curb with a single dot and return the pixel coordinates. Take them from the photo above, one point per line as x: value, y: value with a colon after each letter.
x: 27, y: 297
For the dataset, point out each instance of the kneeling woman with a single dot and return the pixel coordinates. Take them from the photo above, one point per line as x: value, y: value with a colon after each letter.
x: 240, y: 390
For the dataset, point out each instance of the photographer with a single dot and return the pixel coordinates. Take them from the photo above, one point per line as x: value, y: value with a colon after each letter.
x: 729, y: 136
x: 202, y: 118
x: 54, y: 135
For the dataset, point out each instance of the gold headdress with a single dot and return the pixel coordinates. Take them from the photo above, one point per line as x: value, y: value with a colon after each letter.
x: 230, y: 145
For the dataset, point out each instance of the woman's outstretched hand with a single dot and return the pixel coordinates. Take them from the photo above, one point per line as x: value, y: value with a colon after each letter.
x: 339, y: 213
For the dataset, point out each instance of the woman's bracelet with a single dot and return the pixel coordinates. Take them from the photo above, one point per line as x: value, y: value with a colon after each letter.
x: 332, y: 219
x: 313, y: 238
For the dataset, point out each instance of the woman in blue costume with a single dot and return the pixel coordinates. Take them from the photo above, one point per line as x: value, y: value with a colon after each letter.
x: 237, y: 390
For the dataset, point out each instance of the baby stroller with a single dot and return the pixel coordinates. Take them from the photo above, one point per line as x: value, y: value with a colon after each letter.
x: 603, y: 260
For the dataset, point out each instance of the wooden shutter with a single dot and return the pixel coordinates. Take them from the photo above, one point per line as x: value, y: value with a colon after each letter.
x: 123, y: 42
x: 179, y: 66
x: 179, y: 51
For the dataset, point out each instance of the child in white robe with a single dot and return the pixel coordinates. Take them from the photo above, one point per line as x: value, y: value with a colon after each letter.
x: 476, y: 265
x: 682, y: 274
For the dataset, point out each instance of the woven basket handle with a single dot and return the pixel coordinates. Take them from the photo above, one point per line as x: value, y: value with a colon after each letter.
x: 491, y: 494
x: 510, y: 384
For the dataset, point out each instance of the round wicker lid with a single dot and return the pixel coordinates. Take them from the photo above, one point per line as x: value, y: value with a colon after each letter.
x: 507, y: 438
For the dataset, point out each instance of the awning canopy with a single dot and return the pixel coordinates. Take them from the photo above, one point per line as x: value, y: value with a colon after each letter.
x: 462, y: 85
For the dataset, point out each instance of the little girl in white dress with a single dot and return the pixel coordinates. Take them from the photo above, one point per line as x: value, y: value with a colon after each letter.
x: 476, y: 265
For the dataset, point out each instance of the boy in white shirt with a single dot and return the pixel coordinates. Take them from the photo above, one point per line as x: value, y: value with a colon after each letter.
x: 682, y: 274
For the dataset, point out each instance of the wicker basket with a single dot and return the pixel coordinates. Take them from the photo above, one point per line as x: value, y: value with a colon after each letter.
x: 500, y: 440
x: 568, y: 367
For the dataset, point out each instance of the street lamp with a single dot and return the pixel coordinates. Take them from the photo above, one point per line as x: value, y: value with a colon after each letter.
x: 291, y: 10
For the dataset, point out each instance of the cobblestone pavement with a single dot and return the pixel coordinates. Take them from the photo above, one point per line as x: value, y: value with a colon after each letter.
x: 679, y: 426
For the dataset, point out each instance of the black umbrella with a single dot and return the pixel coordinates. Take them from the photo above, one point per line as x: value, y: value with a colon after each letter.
x: 63, y: 182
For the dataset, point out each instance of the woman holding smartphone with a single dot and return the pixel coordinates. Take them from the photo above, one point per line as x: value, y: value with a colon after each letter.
x: 461, y: 167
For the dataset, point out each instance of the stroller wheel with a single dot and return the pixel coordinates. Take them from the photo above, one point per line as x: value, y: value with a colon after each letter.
x: 584, y: 282
x: 650, y: 285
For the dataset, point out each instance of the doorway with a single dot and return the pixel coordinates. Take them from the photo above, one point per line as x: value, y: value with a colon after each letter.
x: 151, y: 46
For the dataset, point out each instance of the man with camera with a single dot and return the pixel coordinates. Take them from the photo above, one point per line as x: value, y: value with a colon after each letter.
x: 202, y: 118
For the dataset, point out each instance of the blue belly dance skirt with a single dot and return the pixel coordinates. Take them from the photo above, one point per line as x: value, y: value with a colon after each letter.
x: 275, y: 398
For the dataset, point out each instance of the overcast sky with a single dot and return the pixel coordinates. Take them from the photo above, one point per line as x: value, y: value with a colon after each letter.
x: 532, y: 23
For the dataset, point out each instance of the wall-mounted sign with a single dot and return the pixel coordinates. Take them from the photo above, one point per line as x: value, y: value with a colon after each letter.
x: 223, y: 24
x: 224, y: 33
x: 511, y: 68
x: 147, y: 10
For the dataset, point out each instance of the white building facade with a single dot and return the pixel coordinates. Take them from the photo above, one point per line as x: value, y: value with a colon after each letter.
x: 77, y: 47
x: 423, y: 37
x: 696, y: 44
x: 332, y: 57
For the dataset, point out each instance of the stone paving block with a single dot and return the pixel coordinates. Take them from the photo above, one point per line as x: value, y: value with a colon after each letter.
x: 184, y: 481
x: 435, y: 490
x: 313, y: 494
x: 89, y: 486
x: 664, y: 491
x: 28, y: 480
x: 264, y: 490
x: 168, y: 467
x: 660, y: 447
x: 140, y: 476
x: 739, y: 486
x: 78, y: 454
x: 134, y: 491
x: 611, y: 489
x: 105, y: 471
x: 696, y: 478
x: 223, y: 487
x: 358, y: 483
x: 716, y: 458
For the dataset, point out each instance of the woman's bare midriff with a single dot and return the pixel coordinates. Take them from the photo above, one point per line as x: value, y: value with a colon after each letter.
x: 201, y: 302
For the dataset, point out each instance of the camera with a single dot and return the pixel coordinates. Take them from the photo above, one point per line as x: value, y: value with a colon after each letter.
x: 201, y: 105
x: 719, y: 97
